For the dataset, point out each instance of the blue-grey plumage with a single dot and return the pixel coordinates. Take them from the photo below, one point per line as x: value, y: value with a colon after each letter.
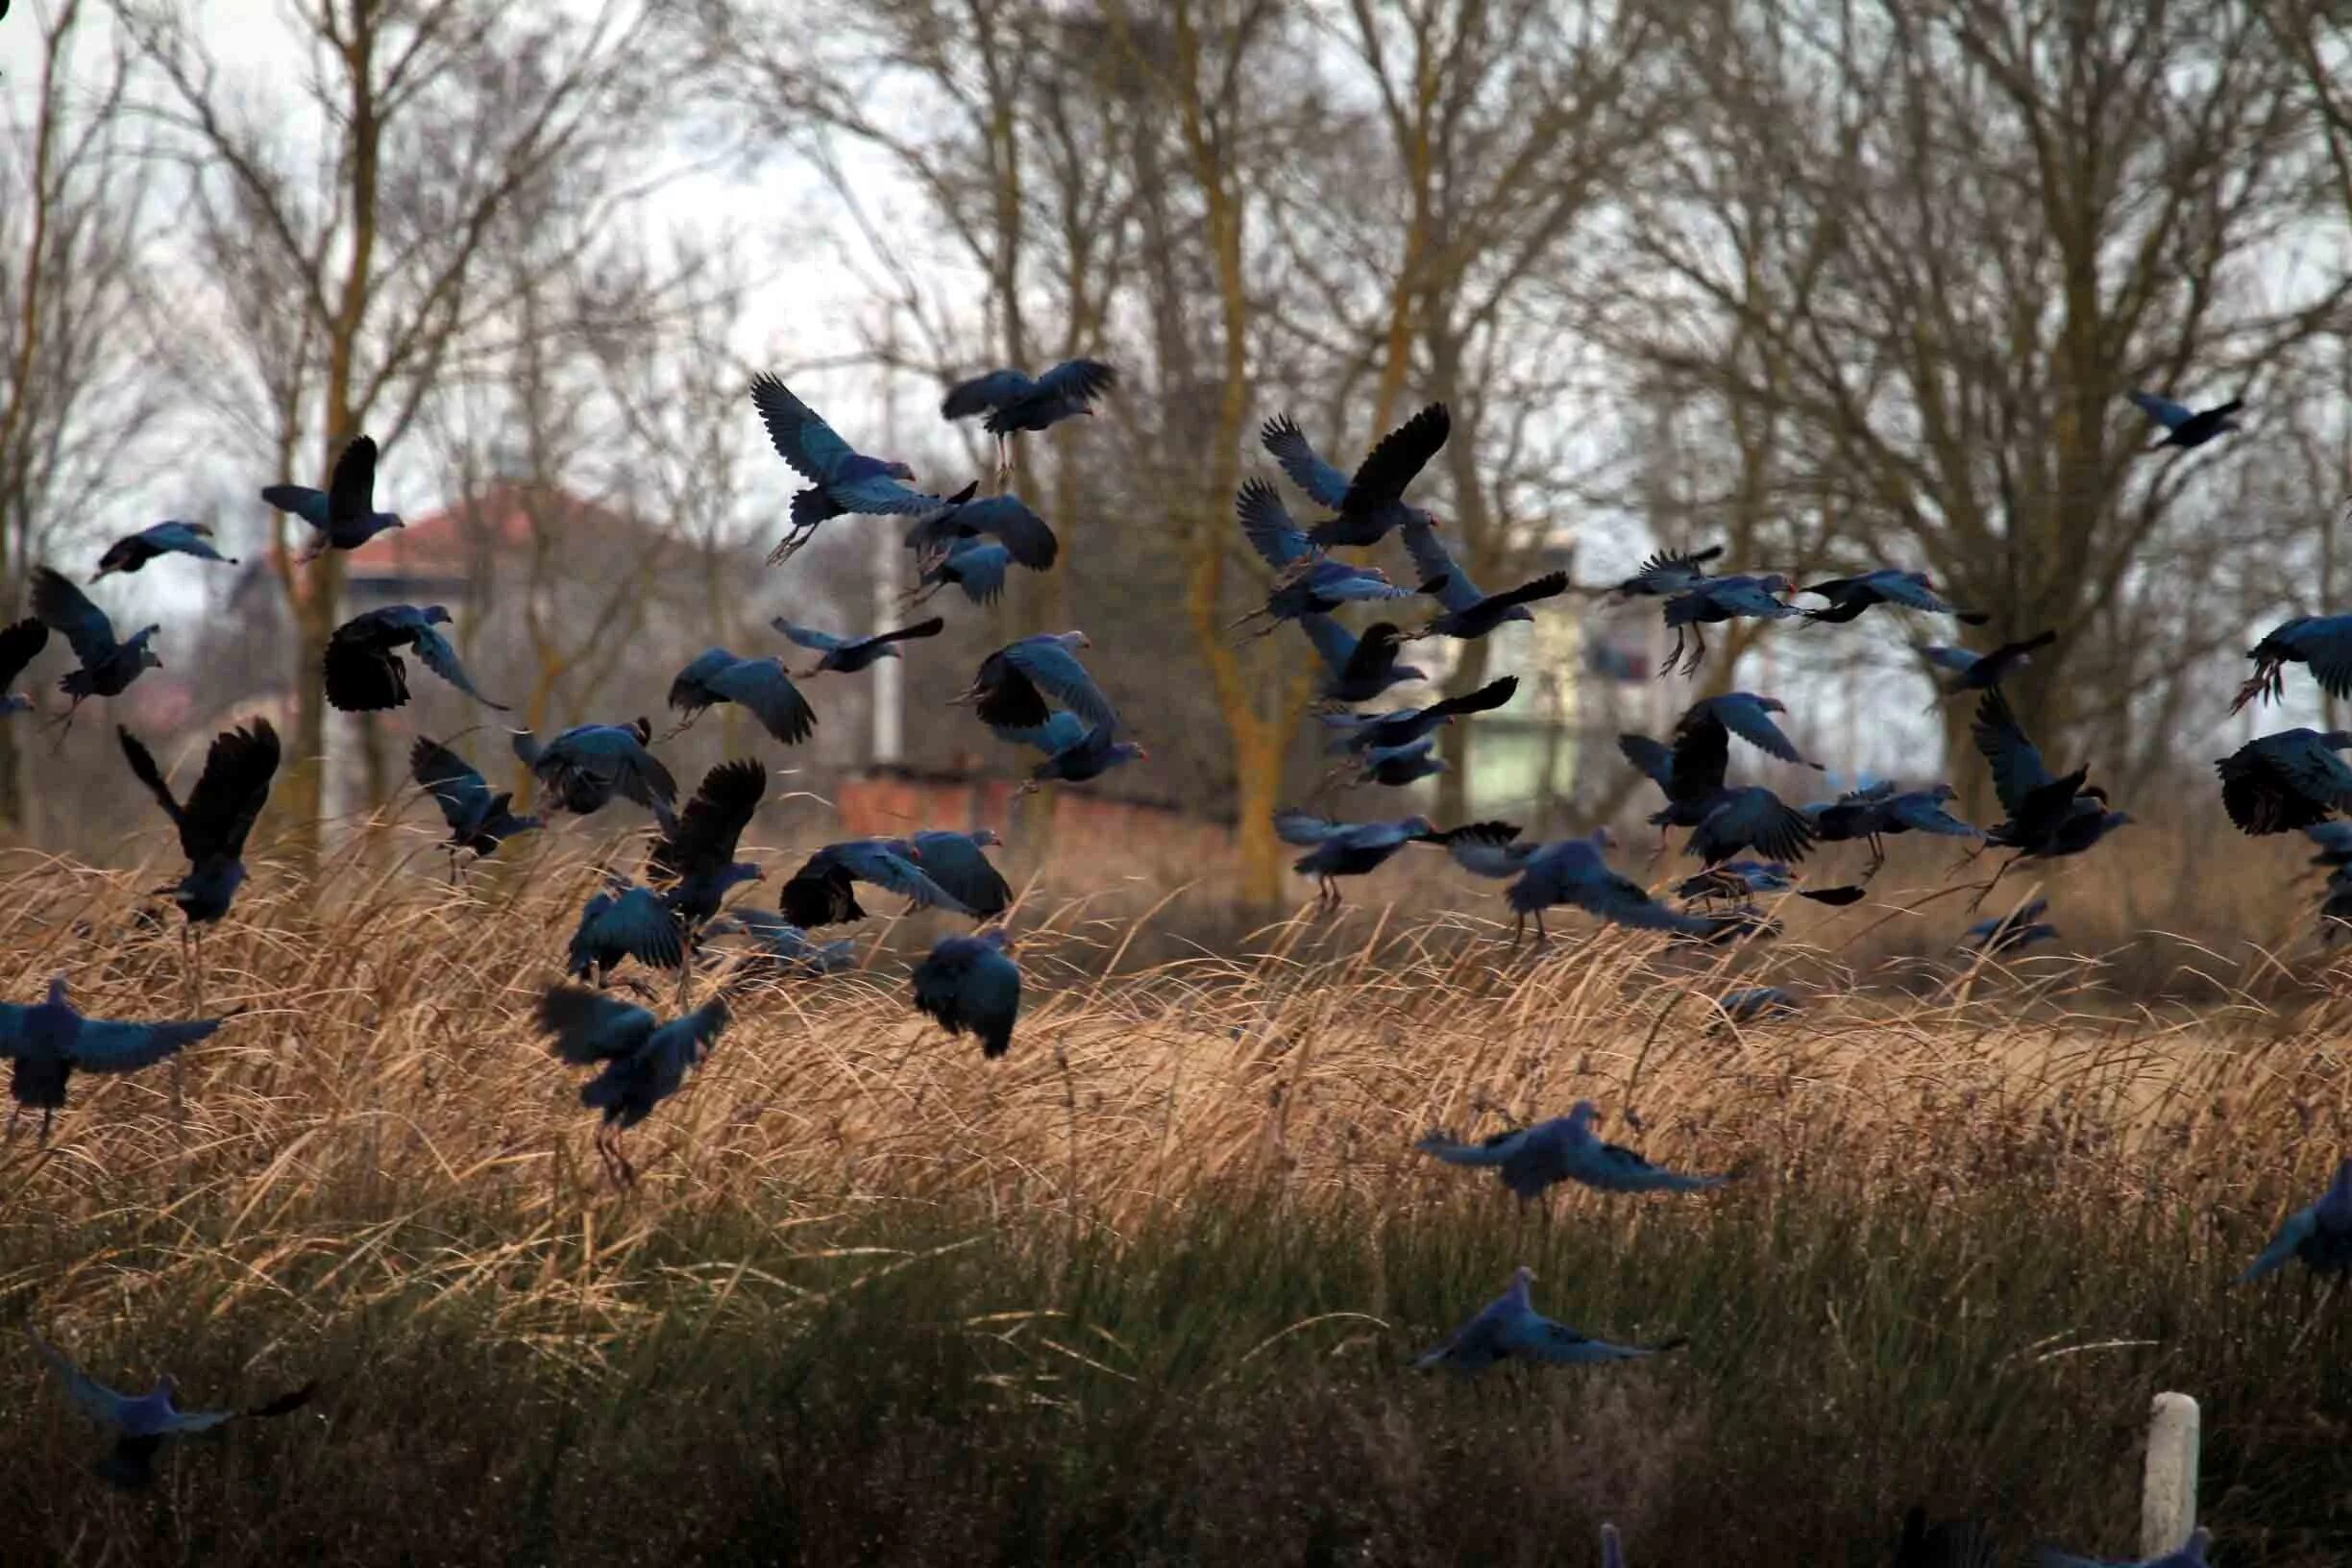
x: 1850, y: 597
x: 1305, y: 581
x: 2319, y: 1234
x: 2049, y: 818
x: 107, y: 666
x: 1667, y: 573
x: 1015, y: 401
x: 2019, y: 929
x: 585, y: 767
x: 1714, y: 599
x: 1510, y: 1328
x: 842, y: 480
x: 1402, y: 726
x: 1073, y: 754
x: 967, y: 518
x: 977, y: 566
x: 1337, y: 849
x: 20, y: 644
x: 644, y: 1061
x: 1752, y: 818
x: 2333, y: 841
x: 957, y: 862
x: 695, y: 856
x: 1362, y: 668
x: 344, y: 514
x: 364, y: 675
x: 1469, y: 613
x: 2185, y: 426
x: 781, y: 945
x: 47, y: 1042
x: 1397, y: 766
x: 1612, y: 1554
x: 2190, y: 1555
x: 1570, y: 871
x: 821, y: 892
x: 1752, y: 1004
x: 1958, y: 661
x: 1981, y: 672
x: 479, y: 820
x: 168, y: 538
x: 1530, y: 1159
x: 2292, y: 779
x: 2323, y: 642
x: 1014, y: 683
x: 1748, y: 717
x: 847, y: 655
x: 762, y: 687
x: 141, y: 1424
x: 1737, y: 880
x: 1881, y: 811
x: 971, y: 986
x: 1372, y: 503
x: 624, y: 920
x: 218, y: 815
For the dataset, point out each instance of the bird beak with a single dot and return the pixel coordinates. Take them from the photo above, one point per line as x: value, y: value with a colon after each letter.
x: 1142, y: 754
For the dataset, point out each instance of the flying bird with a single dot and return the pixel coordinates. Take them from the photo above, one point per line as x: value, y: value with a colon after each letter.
x: 956, y: 862
x: 841, y: 480
x: 1025, y: 538
x: 135, y: 549
x: 1529, y: 1160
x: 20, y: 645
x: 46, y: 1042
x: 1397, y: 766
x: 1015, y: 402
x: 1748, y: 717
x: 1510, y: 1328
x: 365, y: 675
x: 1667, y: 572
x: 1850, y: 597
x: 344, y: 513
x: 644, y: 1060
x: 1981, y: 672
x: 1075, y: 753
x: 141, y: 1424
x: 977, y: 566
x: 2319, y: 1234
x: 2049, y: 818
x: 624, y: 920
x: 585, y: 767
x: 108, y: 665
x: 2292, y: 779
x: 1372, y: 503
x: 2014, y: 932
x: 217, y: 815
x: 1013, y: 684
x: 1337, y: 849
x: 1360, y: 667
x: 1879, y: 812
x: 695, y: 856
x: 1712, y: 600
x: 2323, y: 642
x: 971, y: 986
x: 761, y: 686
x: 1743, y: 880
x: 821, y: 892
x: 1751, y: 1004
x: 782, y: 945
x: 2189, y: 1556
x: 1572, y: 872
x: 847, y: 655
x: 2185, y: 426
x: 1305, y: 581
x: 478, y: 819
x: 1402, y: 726
x: 1469, y: 614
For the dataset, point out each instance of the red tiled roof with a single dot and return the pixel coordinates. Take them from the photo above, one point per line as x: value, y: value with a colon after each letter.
x: 503, y: 518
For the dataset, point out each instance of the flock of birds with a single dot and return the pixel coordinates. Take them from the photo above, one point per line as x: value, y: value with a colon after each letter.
x: 1037, y: 694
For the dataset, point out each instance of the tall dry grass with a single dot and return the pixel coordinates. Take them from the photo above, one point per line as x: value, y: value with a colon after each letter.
x: 1142, y: 1290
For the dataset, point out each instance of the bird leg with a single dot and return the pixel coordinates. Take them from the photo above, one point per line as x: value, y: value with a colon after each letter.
x: 1004, y: 459
x: 1673, y: 656
x: 1543, y: 937
x: 1986, y: 890
x: 680, y: 727
x: 1877, y: 848
x: 616, y: 1163
x: 62, y: 723
x: 796, y: 535
x: 1697, y: 653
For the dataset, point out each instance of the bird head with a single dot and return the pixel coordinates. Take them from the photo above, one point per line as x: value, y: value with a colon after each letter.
x: 1943, y: 791
x: 1075, y: 639
x: 897, y: 469
x: 643, y: 728
x: 437, y: 615
x: 1771, y: 705
x: 57, y: 991
x: 1604, y: 837
x: 984, y: 836
x: 1774, y: 583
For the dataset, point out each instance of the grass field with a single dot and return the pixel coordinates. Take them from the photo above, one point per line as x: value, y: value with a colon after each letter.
x: 1143, y: 1291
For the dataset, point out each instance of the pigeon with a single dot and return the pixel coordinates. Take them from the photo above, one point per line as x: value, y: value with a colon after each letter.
x: 971, y: 986
x: 365, y: 675
x: 1372, y: 503
x: 1667, y: 572
x: 624, y: 920
x: 1850, y: 597
x: 841, y: 480
x: 1565, y: 1149
x: 644, y: 1060
x: 108, y: 665
x: 1003, y: 523
x: 2183, y: 427
x: 695, y: 855
x: 585, y: 767
x: 819, y: 892
x: 478, y: 819
x: 1074, y: 755
x: 141, y: 1424
x: 954, y: 862
x: 1015, y: 402
x: 781, y: 945
x: 1508, y: 1328
x: 133, y: 550
x: 218, y: 815
x: 344, y: 513
x: 849, y: 655
x: 46, y: 1041
x: 762, y: 686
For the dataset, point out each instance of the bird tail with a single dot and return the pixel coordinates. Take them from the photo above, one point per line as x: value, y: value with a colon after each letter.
x: 812, y: 506
x: 1461, y: 1154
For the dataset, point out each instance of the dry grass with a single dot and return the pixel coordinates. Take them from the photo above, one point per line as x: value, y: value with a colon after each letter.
x: 1140, y: 1291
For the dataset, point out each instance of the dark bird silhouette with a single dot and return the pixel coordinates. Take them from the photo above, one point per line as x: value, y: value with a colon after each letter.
x: 1981, y: 672
x: 970, y: 985
x: 46, y: 1042
x: 2019, y: 929
x: 1397, y: 766
x: 344, y: 514
x: 977, y: 566
x: 1013, y: 685
x: 1571, y: 872
x: 2189, y: 1556
x: 581, y: 768
x: 2048, y: 817
x: 1530, y: 1159
x: 1015, y: 402
x: 1305, y: 581
x: 1744, y: 879
x: 1402, y: 726
x: 781, y: 946
x: 107, y: 666
x: 2185, y: 426
x: 1469, y: 614
x: 218, y: 815
x: 1947, y: 1543
x: 20, y: 645
x: 1880, y: 812
x: 1510, y: 1328
x: 478, y: 819
x: 365, y: 675
x: 1075, y: 752
x: 1850, y: 597
x: 644, y: 1061
x: 171, y: 538
x: 624, y: 920
x: 1005, y: 519
x: 822, y: 892
x: 955, y: 862
x: 1692, y: 773
x: 1712, y: 600
x: 2319, y: 1234
x: 2292, y: 779
x: 841, y: 480
x: 2334, y: 841
x: 695, y: 855
x: 1360, y: 667
x: 141, y: 1424
x: 1337, y: 849
x: 762, y: 687
x: 847, y: 655
x: 1753, y: 1004
x: 1373, y: 501
x: 1752, y: 818
x: 1667, y: 572
x: 2324, y: 642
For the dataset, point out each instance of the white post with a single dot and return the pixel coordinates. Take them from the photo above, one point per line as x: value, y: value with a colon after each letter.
x: 2168, y: 1487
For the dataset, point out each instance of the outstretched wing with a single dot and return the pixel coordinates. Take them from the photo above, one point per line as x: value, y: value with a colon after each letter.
x: 1753, y: 817
x: 1749, y: 722
x: 705, y: 835
x: 1289, y: 446
x: 143, y: 767
x: 1435, y: 564
x: 762, y: 686
x: 1078, y: 381
x: 1653, y: 757
x: 591, y: 1025
x: 1056, y: 672
x: 350, y: 491
x: 2162, y: 410
x: 823, y: 642
x: 19, y: 646
x: 442, y: 660
x: 1266, y: 523
x: 68, y: 610
x: 1334, y: 641
x: 1026, y: 536
x: 230, y: 791
x: 98, y: 1402
x: 1493, y: 695
x: 1701, y: 755
x: 1057, y: 734
x: 799, y: 437
x: 978, y: 567
x: 1398, y: 456
x: 2018, y: 767
x: 103, y: 1047
x: 462, y: 794
x: 982, y: 393
x: 892, y: 873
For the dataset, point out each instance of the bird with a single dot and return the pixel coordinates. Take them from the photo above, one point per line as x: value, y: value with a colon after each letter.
x: 585, y: 767
x: 955, y: 862
x: 783, y: 945
x: 1745, y: 878
x: 821, y: 892
x: 141, y: 1424
x: 1075, y: 753
x: 1571, y: 872
x: 133, y: 550
x: 478, y: 819
x: 1714, y: 599
x: 217, y: 815
x: 1015, y: 402
x: 1402, y: 726
x: 1336, y: 849
x: 644, y: 1060
x: 623, y: 920
x: 1667, y: 573
x: 847, y: 655
x: 1305, y: 581
x: 761, y: 686
x: 1850, y: 597
x: 970, y: 985
x: 1510, y: 1328
x: 1751, y: 1004
x: 1750, y: 817
x: 344, y: 513
x: 1612, y: 1552
x: 1468, y: 613
x: 1947, y: 1543
x: 1529, y: 1160
x: 2019, y: 929
x: 2048, y: 817
x: 2192, y: 1554
x: 1748, y: 717
x: 107, y: 666
x: 20, y: 644
x: 1372, y: 503
x: 2320, y: 1234
x: 2292, y: 779
x: 46, y: 1041
x: 977, y: 566
x: 695, y: 855
x: 1013, y: 685
x: 365, y: 675
x: 2183, y: 427
x: 1724, y: 821
x: 1981, y: 672
x: 1360, y: 667
x: 1880, y: 811
x: 841, y: 480
x: 2334, y: 839
x: 961, y: 520
x: 2324, y: 642
x: 1397, y: 766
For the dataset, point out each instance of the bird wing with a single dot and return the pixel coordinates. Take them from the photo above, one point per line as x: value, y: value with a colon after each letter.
x: 462, y: 794
x: 143, y: 767
x: 351, y: 490
x: 880, y: 495
x: 703, y: 838
x: 892, y: 873
x: 1435, y: 563
x: 303, y: 501
x: 2296, y: 1229
x: 11, y: 1028
x: 1344, y: 583
x: 956, y: 863
x: 1289, y: 446
x: 1493, y: 695
x: 1396, y: 458
x: 799, y: 437
x: 982, y: 393
x: 1615, y: 896
x: 1333, y: 641
x: 64, y: 609
x: 1494, y: 1151
x: 2162, y: 410
x: 1906, y: 590
x: 913, y: 631
x: 1026, y: 536
x: 1376, y: 651
x: 105, y: 1046
x: 2334, y: 838
x: 1056, y: 672
x: 684, y: 1042
x: 1701, y: 756
x: 979, y: 567
x: 20, y: 645
x: 1612, y: 1168
x: 362, y: 674
x: 442, y: 660
x: 231, y: 792
x: 592, y: 1025
x: 1305, y: 829
x: 2318, y: 773
x: 1484, y: 850
x: 1958, y: 660
x: 1266, y: 523
x: 2018, y: 767
x: 1538, y: 1338
x: 1653, y: 757
x: 1056, y: 735
x: 2326, y: 646
x: 1752, y: 818
x: 762, y: 686
x: 101, y: 1404
x: 1078, y: 381
x: 1924, y: 816
x: 824, y: 641
x: 1747, y: 718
